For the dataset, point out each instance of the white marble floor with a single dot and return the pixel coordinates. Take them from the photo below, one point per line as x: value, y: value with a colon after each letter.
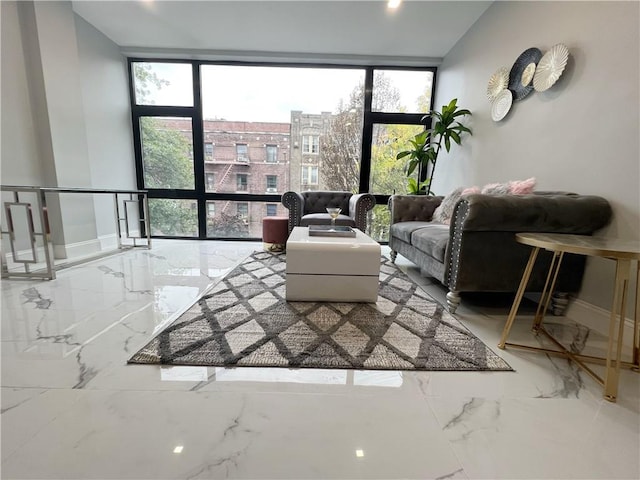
x: 73, y: 409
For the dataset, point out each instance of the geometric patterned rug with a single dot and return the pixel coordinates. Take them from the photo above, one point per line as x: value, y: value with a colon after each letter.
x: 244, y: 320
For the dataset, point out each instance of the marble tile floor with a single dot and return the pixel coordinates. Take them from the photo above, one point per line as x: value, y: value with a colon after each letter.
x: 73, y: 409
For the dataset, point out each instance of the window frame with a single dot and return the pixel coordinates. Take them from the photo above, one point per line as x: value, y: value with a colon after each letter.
x: 243, y: 215
x: 271, y: 148
x: 311, y: 144
x: 212, y: 176
x: 271, y: 206
x: 275, y: 182
x: 306, y: 174
x: 242, y: 182
x: 206, y: 154
x: 240, y: 158
x: 199, y: 193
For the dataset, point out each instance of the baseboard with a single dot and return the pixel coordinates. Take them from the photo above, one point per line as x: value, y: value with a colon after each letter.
x: 108, y: 242
x: 77, y: 249
x: 597, y: 319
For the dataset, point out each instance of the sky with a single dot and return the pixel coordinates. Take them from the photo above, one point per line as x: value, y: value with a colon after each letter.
x: 268, y: 94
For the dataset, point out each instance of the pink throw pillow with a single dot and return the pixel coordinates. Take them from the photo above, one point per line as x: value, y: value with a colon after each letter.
x: 496, y: 189
x: 522, y: 187
x: 469, y: 190
x: 514, y: 187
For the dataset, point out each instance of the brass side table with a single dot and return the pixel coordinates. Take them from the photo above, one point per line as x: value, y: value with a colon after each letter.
x: 623, y: 252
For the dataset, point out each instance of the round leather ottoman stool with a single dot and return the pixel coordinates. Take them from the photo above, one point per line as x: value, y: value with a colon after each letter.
x: 275, y: 231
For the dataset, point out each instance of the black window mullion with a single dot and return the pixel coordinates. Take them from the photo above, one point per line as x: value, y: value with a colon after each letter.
x: 367, y: 132
x: 195, y: 112
x: 198, y: 151
x: 161, y: 111
x: 397, y: 118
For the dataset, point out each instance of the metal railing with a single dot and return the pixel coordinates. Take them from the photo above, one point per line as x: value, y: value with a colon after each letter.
x: 19, y: 215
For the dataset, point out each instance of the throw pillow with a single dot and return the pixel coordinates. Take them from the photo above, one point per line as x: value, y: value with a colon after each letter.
x: 469, y: 190
x: 444, y: 211
x: 522, y: 187
x: 496, y: 189
x: 514, y: 187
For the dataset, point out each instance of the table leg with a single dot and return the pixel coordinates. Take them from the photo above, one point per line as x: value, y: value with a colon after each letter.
x: 547, y: 291
x: 618, y: 309
x: 518, y: 298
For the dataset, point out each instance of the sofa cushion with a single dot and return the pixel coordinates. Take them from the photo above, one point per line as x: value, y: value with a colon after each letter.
x: 403, y: 230
x: 432, y: 240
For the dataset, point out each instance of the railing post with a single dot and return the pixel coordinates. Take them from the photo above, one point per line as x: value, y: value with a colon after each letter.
x: 46, y: 240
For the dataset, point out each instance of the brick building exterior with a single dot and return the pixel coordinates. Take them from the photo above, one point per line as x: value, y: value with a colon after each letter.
x: 256, y: 158
x: 306, y: 158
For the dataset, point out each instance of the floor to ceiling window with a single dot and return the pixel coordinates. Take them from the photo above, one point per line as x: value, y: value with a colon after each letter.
x: 218, y: 144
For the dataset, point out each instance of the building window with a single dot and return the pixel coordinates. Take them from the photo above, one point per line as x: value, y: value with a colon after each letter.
x: 272, y: 209
x: 208, y: 151
x: 242, y: 152
x: 211, y: 209
x: 309, y: 175
x: 310, y: 144
x: 242, y: 182
x: 210, y: 181
x: 272, y: 153
x: 242, y: 210
x: 272, y: 183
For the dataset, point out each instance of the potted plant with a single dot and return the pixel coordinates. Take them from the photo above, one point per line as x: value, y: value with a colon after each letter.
x: 426, y: 145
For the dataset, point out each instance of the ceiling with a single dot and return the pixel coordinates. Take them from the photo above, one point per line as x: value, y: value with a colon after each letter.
x: 424, y: 30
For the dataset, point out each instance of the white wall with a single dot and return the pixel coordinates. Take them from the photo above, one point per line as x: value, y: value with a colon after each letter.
x: 581, y: 135
x: 103, y: 75
x: 19, y: 151
x: 65, y: 117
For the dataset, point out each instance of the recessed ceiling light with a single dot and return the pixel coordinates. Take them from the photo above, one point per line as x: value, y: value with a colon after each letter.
x: 359, y: 453
x: 393, y: 3
x: 178, y: 449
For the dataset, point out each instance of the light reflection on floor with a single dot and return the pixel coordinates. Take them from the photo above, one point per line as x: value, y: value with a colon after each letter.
x: 73, y: 408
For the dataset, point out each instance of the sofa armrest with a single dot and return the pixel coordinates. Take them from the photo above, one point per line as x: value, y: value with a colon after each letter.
x: 412, y: 208
x: 562, y: 213
x: 359, y: 205
x: 294, y: 202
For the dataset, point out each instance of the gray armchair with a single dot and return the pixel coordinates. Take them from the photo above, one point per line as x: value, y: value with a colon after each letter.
x: 310, y: 208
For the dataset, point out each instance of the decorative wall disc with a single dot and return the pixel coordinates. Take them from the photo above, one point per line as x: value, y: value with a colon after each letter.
x: 527, y: 75
x: 501, y: 105
x: 550, y: 67
x: 497, y: 83
x: 522, y: 72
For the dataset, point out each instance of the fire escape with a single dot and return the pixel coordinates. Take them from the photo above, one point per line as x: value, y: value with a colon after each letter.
x: 221, y: 183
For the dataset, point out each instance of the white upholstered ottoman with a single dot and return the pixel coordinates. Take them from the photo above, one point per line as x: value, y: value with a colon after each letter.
x: 332, y: 269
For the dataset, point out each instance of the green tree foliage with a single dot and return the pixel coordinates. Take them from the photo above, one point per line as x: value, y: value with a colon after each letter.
x: 166, y: 155
x: 341, y: 146
x: 145, y: 77
x: 227, y: 225
x: 173, y: 217
x: 341, y: 153
x: 387, y: 175
x: 167, y: 163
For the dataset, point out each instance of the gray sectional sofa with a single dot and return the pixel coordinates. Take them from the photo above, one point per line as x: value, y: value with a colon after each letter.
x: 477, y: 252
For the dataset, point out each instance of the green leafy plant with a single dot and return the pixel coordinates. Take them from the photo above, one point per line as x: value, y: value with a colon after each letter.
x: 415, y: 188
x: 426, y: 146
